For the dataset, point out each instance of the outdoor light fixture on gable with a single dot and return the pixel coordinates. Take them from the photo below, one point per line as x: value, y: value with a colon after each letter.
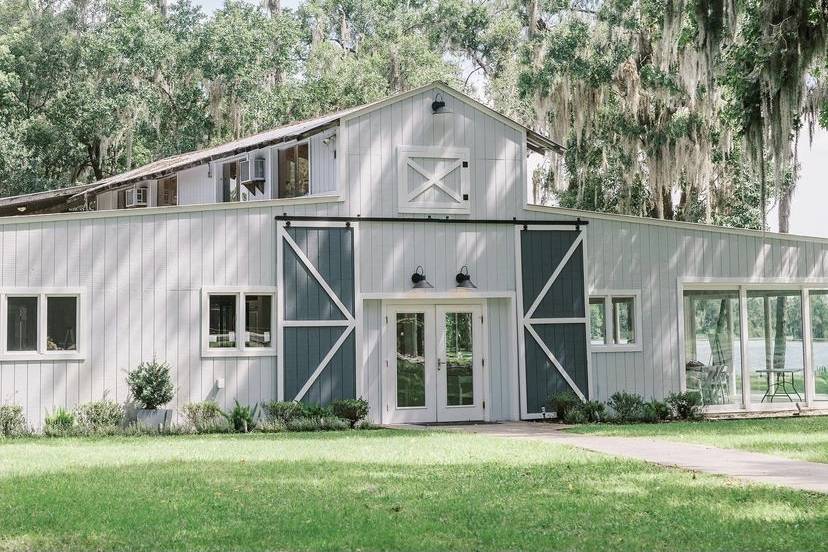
x: 463, y: 278
x: 438, y: 106
x: 419, y: 279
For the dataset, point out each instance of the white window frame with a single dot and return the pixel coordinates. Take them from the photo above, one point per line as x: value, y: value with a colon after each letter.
x: 609, y: 345
x: 41, y: 353
x: 287, y: 146
x: 405, y: 204
x: 240, y: 350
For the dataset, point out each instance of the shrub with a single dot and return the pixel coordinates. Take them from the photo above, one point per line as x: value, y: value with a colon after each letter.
x: 575, y: 416
x: 150, y: 384
x: 655, y: 411
x: 284, y: 411
x: 12, y: 421
x: 242, y: 418
x: 60, y: 422
x: 100, y: 416
x: 594, y: 411
x: 205, y: 417
x: 685, y: 406
x: 317, y: 424
x: 316, y: 411
x: 628, y: 407
x: 271, y: 426
x: 352, y: 410
x: 562, y: 402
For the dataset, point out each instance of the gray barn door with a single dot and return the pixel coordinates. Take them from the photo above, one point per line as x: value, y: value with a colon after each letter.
x: 553, y: 309
x: 318, y: 349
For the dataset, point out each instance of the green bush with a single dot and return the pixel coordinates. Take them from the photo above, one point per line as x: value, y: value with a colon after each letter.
x: 242, y: 418
x: 60, y: 422
x: 575, y: 416
x: 271, y: 426
x: 205, y: 417
x: 594, y: 411
x: 562, y: 402
x: 352, y: 410
x: 655, y: 411
x: 628, y: 407
x: 100, y: 416
x: 12, y: 421
x: 284, y: 411
x: 150, y: 384
x: 685, y: 406
x: 331, y: 423
x: 316, y: 411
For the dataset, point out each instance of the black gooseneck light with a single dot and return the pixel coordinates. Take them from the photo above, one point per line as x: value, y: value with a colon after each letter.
x: 463, y: 278
x: 419, y: 279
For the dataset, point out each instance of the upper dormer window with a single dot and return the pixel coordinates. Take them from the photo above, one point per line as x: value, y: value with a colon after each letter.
x: 294, y: 171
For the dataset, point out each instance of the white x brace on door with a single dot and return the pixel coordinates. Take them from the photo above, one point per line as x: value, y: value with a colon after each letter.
x: 433, y: 179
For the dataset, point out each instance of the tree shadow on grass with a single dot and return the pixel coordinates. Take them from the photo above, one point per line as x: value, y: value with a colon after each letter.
x: 305, y: 505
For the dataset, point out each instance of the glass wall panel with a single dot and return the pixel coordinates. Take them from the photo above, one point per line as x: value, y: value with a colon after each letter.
x: 712, y: 346
x: 819, y: 342
x: 775, y: 351
x: 222, y: 321
x: 623, y: 318
x: 61, y: 323
x: 21, y: 320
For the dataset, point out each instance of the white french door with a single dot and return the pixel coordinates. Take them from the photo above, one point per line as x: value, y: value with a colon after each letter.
x: 434, y: 364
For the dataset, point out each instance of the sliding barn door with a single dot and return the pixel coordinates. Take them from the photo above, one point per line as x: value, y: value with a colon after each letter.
x: 317, y: 360
x: 554, y: 318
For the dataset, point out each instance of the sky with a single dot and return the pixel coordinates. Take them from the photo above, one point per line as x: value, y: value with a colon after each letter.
x: 809, y: 212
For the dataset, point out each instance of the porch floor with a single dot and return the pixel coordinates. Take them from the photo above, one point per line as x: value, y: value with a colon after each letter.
x: 748, y: 466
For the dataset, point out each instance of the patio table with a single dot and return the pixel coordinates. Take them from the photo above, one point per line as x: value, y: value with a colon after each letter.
x: 781, y: 384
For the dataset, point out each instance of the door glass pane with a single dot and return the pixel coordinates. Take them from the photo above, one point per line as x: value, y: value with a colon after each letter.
x: 712, y: 346
x: 775, y: 346
x: 597, y: 321
x: 411, y: 359
x: 257, y: 320
x: 22, y: 324
x: 230, y: 181
x: 222, y: 321
x: 819, y: 346
x: 459, y: 359
x: 61, y: 323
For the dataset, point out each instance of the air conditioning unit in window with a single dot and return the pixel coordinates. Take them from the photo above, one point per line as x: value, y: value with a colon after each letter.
x: 252, y: 174
x: 136, y: 197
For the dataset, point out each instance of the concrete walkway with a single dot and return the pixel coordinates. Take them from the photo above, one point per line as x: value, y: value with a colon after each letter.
x: 748, y: 466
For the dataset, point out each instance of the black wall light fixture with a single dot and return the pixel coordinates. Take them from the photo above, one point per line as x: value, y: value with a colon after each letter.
x: 463, y: 278
x: 439, y: 104
x: 419, y: 279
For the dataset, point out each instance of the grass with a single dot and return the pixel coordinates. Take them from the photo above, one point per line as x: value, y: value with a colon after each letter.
x: 379, y: 490
x: 802, y: 438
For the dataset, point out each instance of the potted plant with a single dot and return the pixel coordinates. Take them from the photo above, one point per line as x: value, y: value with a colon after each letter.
x: 151, y: 387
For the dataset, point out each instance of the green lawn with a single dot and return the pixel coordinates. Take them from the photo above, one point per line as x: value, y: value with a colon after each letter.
x: 378, y: 490
x: 803, y: 438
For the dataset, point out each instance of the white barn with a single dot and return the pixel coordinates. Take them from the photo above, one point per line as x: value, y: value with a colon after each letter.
x: 280, y: 267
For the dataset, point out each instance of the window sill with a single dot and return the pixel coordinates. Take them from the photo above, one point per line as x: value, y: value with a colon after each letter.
x: 33, y: 356
x: 631, y: 348
x: 238, y: 353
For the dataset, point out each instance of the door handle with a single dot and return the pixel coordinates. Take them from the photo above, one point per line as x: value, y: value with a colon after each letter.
x: 439, y: 363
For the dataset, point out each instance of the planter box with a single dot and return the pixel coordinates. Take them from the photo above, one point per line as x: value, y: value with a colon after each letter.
x: 154, y: 419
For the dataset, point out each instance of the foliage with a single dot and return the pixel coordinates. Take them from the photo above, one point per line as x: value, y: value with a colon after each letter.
x: 284, y: 411
x: 352, y: 410
x: 562, y: 402
x: 594, y: 411
x: 59, y: 422
x: 575, y: 415
x: 150, y: 384
x: 655, y: 411
x: 103, y: 416
x: 12, y: 421
x: 243, y: 417
x: 330, y: 423
x: 205, y: 417
x: 685, y: 406
x: 627, y: 407
x: 316, y: 411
